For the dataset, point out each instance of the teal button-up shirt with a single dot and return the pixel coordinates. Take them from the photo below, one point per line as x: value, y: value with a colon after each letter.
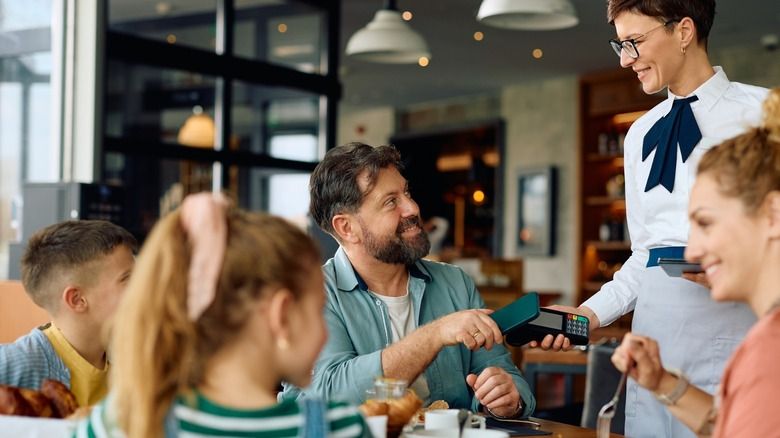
x: 359, y: 329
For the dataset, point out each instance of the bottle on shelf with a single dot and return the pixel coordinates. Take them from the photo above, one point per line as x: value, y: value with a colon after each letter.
x: 612, y: 144
x: 616, y: 186
x: 612, y: 229
x: 603, y: 143
x: 616, y: 230
x: 604, y: 231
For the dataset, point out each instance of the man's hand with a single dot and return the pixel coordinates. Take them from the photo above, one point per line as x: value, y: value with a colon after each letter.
x: 561, y: 342
x: 473, y: 328
x: 495, y: 389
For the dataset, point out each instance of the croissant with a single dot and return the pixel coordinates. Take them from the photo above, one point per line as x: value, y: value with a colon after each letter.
x: 398, y: 410
x: 374, y: 407
x: 401, y: 410
x: 54, y: 400
x: 438, y: 404
x: 13, y: 403
x: 63, y: 400
x: 40, y: 404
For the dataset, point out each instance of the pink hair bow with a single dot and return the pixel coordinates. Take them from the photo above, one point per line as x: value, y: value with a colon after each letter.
x: 203, y: 219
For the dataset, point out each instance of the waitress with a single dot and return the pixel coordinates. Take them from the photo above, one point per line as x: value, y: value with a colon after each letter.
x: 665, y: 43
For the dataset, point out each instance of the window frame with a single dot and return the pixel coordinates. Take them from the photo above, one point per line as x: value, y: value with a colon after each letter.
x: 227, y: 68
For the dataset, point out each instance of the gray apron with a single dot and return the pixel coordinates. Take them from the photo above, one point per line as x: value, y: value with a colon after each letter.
x: 695, y: 334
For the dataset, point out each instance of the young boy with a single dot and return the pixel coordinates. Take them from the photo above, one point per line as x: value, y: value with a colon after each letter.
x: 76, y: 271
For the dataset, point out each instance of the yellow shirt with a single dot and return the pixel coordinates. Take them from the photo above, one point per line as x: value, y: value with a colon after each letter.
x: 87, y: 383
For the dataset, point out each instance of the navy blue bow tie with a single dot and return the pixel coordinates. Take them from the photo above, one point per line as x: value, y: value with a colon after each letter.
x: 679, y: 126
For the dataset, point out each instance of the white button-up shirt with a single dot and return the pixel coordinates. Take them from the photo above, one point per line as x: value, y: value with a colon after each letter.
x: 658, y: 218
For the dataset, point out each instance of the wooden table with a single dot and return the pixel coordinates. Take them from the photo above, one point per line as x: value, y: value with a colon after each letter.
x: 560, y: 430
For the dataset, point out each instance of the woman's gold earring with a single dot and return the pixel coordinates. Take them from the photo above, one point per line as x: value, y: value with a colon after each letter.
x: 682, y: 49
x: 282, y: 344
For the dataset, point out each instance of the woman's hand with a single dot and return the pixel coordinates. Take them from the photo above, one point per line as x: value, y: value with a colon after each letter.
x: 640, y: 355
x: 561, y: 342
x: 698, y: 278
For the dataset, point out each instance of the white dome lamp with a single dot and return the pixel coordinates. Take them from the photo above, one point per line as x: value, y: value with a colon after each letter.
x: 528, y: 14
x: 387, y: 39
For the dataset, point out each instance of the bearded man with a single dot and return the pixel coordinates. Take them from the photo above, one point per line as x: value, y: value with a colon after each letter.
x: 390, y: 312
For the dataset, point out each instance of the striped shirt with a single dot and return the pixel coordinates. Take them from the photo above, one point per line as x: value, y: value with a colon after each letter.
x: 203, y: 418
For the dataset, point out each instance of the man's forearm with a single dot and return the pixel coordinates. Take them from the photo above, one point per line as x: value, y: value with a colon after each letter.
x: 410, y: 356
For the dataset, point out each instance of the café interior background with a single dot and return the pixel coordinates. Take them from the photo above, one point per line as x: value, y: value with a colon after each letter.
x: 122, y: 91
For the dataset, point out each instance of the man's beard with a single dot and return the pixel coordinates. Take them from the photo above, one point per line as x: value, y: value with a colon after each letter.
x: 395, y: 249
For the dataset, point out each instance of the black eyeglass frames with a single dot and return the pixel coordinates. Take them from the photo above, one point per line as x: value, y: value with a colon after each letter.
x: 629, y: 45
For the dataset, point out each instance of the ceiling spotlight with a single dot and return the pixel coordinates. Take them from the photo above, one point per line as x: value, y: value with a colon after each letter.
x: 163, y: 8
x: 528, y: 14
x: 407, y: 15
x: 537, y: 53
x: 423, y: 61
x: 479, y: 36
x: 388, y: 39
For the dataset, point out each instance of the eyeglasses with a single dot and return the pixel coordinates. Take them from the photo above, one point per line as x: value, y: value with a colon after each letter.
x: 629, y: 45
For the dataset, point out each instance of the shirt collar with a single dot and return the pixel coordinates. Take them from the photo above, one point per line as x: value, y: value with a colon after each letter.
x: 709, y: 92
x: 348, y: 279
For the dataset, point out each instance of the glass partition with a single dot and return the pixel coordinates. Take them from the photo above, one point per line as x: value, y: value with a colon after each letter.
x: 159, y: 104
x: 157, y: 185
x: 191, y: 23
x: 283, y: 32
x: 286, y: 33
x: 278, y: 121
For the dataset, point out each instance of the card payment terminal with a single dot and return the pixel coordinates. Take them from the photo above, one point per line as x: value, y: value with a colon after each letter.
x: 551, y: 322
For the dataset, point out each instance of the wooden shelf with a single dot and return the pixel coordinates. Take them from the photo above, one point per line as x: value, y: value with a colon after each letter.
x: 607, y: 100
x: 609, y: 245
x: 601, y: 201
x: 597, y: 158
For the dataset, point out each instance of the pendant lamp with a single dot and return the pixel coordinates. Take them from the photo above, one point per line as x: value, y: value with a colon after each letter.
x: 528, y: 14
x: 198, y: 130
x: 387, y: 39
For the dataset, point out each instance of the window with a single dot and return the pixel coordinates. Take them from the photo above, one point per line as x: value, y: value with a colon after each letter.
x: 289, y: 194
x: 29, y: 143
x: 240, y: 96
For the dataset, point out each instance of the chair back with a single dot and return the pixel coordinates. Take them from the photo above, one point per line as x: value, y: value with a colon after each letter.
x: 601, y: 382
x: 18, y: 313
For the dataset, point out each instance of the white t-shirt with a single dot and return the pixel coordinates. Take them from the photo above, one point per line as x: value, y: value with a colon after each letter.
x: 403, y: 322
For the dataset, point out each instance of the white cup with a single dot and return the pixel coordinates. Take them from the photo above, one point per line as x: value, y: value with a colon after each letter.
x: 442, y: 419
x: 448, y: 419
x: 377, y: 424
x: 483, y: 433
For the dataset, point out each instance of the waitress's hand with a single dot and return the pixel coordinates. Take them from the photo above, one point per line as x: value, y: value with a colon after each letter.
x: 698, y: 278
x: 641, y: 355
x: 561, y: 342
